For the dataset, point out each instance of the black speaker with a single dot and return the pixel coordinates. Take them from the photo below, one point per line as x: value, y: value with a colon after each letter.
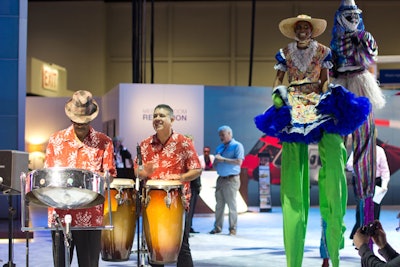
x: 12, y: 164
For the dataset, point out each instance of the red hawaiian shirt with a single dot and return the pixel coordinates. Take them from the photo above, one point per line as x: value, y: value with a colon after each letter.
x: 176, y: 156
x: 95, y: 153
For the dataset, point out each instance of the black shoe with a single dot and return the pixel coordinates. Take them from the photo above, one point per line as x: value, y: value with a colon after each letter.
x: 325, y: 263
x: 193, y: 231
x: 232, y: 232
x: 215, y: 231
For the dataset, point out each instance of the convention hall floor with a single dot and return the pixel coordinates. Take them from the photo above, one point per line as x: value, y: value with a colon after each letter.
x: 258, y: 242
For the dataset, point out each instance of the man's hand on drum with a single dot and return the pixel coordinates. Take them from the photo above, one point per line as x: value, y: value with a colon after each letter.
x: 178, y: 177
x: 173, y: 177
x: 148, y: 169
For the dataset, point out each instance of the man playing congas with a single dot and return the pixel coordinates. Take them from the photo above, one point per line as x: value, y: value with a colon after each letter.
x: 169, y: 156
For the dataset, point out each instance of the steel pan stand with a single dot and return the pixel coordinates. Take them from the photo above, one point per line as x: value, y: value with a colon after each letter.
x: 141, y: 243
x: 11, y: 212
x: 67, y: 237
x: 31, y: 182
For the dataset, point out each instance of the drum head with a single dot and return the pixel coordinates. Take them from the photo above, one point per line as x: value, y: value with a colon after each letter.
x: 156, y: 183
x: 65, y: 188
x: 120, y: 183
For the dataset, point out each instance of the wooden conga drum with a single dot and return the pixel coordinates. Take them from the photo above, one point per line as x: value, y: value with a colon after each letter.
x: 116, y: 244
x: 163, y: 220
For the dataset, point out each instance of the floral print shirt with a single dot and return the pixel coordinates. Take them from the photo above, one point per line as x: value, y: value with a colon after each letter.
x: 176, y: 156
x: 95, y: 153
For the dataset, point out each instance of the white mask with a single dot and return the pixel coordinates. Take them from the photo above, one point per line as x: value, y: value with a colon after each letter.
x: 349, y: 20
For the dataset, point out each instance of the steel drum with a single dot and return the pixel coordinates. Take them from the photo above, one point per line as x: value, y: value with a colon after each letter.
x: 64, y: 188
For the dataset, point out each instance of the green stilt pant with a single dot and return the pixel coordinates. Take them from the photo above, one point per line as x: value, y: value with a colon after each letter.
x: 295, y: 196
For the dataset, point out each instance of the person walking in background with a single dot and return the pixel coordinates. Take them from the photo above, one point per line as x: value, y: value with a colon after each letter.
x: 80, y: 146
x: 123, y: 159
x: 228, y: 159
x: 306, y: 112
x: 168, y: 155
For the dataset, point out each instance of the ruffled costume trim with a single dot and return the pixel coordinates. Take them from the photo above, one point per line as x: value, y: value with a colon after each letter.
x: 343, y: 112
x: 348, y: 110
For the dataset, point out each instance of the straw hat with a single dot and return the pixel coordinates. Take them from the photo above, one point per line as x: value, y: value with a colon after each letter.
x: 286, y: 26
x: 82, y: 108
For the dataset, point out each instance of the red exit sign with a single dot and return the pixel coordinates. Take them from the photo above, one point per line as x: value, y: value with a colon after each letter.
x: 49, y: 78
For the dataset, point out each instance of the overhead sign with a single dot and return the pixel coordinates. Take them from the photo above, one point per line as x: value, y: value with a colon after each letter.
x: 389, y: 76
x: 49, y: 78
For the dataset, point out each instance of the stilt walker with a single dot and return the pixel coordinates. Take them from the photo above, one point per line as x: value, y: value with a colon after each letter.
x: 354, y: 52
x: 308, y: 111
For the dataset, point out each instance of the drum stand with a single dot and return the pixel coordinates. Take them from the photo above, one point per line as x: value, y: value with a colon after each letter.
x: 58, y: 225
x: 141, y: 243
x: 67, y: 237
x: 11, y: 212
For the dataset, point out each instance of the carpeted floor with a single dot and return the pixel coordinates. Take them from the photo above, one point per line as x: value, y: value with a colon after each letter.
x: 258, y: 242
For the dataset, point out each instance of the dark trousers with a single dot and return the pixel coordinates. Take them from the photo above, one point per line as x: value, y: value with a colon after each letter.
x: 87, y: 243
x: 189, y: 217
x: 358, y: 221
x: 125, y: 173
x: 185, y: 256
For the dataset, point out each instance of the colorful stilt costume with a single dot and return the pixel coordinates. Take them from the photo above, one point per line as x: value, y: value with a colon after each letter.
x: 303, y: 114
x: 354, y: 51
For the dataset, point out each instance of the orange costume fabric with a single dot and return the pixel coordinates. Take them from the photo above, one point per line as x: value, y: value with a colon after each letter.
x: 95, y: 154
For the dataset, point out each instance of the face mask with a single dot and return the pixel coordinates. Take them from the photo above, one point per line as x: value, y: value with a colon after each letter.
x: 349, y: 20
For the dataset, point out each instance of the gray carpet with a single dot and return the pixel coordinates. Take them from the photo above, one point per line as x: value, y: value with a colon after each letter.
x: 258, y: 242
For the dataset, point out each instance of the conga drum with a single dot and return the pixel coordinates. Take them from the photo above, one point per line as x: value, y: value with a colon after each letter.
x: 163, y: 220
x: 116, y: 244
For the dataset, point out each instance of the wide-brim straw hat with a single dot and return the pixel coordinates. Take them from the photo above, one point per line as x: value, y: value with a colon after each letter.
x: 286, y: 26
x: 82, y: 108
